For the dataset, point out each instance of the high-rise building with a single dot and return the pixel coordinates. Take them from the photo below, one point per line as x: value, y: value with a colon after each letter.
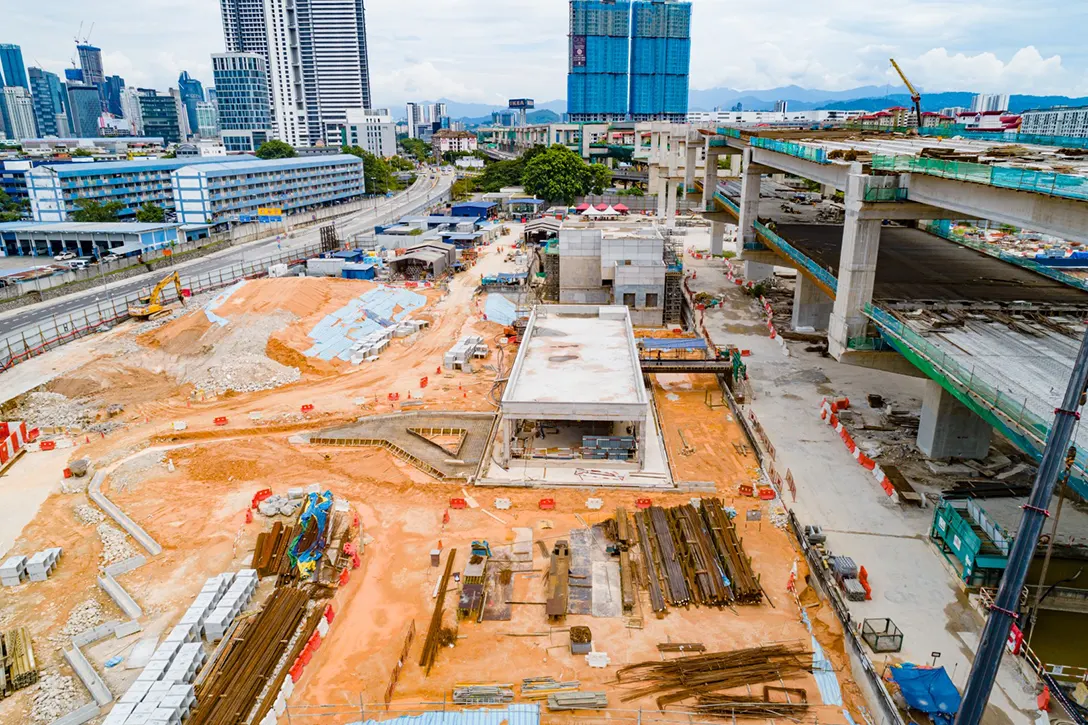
x: 12, y: 70
x: 211, y: 94
x: 183, y: 117
x: 19, y: 112
x: 316, y: 58
x: 192, y: 93
x: 207, y: 120
x: 372, y: 129
x: 50, y: 102
x: 73, y: 75
x: 111, y: 95
x: 628, y: 59
x: 781, y: 106
x: 241, y: 90
x: 990, y: 102
x: 90, y: 62
x: 660, y: 58
x: 426, y: 118
x: 130, y: 110
x: 85, y: 108
x: 160, y: 116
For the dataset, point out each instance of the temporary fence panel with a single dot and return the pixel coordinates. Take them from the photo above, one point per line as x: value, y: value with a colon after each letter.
x: 1006, y: 177
x: 801, y: 151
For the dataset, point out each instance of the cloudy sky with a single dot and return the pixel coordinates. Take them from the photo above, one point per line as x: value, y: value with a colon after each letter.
x: 489, y: 50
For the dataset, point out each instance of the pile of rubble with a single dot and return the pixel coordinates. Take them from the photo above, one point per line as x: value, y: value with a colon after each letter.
x: 89, y: 515
x: 52, y: 410
x: 56, y: 696
x: 133, y: 472
x: 278, y: 505
x: 115, y: 546
x: 233, y: 364
x: 86, y: 615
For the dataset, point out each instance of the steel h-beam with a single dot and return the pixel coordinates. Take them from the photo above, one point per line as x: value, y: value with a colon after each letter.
x: 1003, y: 610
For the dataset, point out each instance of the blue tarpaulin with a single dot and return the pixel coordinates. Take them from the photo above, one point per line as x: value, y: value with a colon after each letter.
x: 513, y: 714
x: 672, y: 343
x: 501, y: 310
x: 928, y: 689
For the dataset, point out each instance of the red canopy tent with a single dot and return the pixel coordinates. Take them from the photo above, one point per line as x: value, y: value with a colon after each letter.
x: 601, y: 207
x: 582, y: 207
x: 622, y: 209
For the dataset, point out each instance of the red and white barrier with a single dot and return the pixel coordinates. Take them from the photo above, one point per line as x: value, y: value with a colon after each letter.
x: 828, y: 410
x: 13, y: 438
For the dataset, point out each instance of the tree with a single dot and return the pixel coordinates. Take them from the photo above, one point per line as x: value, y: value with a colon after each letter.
x: 462, y: 189
x: 150, y: 213
x: 399, y: 163
x: 600, y: 178
x: 82, y: 152
x: 560, y: 174
x: 376, y: 174
x: 90, y: 210
x: 10, y: 209
x: 275, y: 149
x: 416, y: 147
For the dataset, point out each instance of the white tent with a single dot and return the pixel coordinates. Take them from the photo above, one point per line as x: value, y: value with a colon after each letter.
x: 609, y: 212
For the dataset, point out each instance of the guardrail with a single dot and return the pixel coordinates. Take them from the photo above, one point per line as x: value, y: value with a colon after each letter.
x: 1008, y: 411
x: 801, y: 151
x: 773, y: 240
x: 1050, y: 183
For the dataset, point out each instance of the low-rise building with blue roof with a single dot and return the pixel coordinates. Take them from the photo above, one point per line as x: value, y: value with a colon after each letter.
x: 480, y: 209
x: 221, y: 192
x: 90, y: 239
x: 54, y: 188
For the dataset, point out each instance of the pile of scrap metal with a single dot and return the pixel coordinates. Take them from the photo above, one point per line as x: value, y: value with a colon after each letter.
x: 491, y: 694
x: 18, y: 666
x: 323, y: 544
x: 694, y: 556
x: 745, y: 706
x: 699, y: 675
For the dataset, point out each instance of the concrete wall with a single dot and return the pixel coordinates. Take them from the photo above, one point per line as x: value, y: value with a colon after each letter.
x: 638, y: 251
x: 580, y: 267
x: 640, y: 281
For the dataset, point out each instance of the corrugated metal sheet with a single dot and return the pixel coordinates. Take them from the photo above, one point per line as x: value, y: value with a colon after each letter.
x: 672, y: 343
x: 509, y: 715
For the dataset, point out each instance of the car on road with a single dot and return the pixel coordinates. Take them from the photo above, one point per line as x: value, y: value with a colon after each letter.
x: 64, y: 256
x: 111, y: 258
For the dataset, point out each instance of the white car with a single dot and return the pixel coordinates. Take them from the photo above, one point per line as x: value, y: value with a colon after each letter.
x: 111, y: 258
x: 64, y: 256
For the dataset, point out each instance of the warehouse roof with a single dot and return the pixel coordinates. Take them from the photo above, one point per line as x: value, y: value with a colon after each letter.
x: 83, y: 227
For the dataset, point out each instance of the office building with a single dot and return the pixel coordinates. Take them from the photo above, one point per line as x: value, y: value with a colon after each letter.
x: 85, y: 107
x: 73, y: 75
x: 445, y: 140
x: 183, y: 117
x: 207, y: 120
x: 628, y: 59
x: 426, y: 118
x: 1057, y: 121
x: 211, y: 95
x: 130, y: 110
x: 316, y: 60
x: 53, y: 188
x: 18, y: 112
x: 990, y: 102
x: 12, y: 70
x: 372, y: 129
x: 90, y: 62
x: 50, y: 102
x: 242, y: 98
x: 111, y: 95
x: 191, y: 92
x: 781, y: 106
x: 160, y: 116
x: 215, y: 193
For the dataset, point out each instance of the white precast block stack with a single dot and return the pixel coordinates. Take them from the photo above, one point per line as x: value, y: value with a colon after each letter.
x: 467, y: 347
x: 236, y: 598
x: 13, y: 570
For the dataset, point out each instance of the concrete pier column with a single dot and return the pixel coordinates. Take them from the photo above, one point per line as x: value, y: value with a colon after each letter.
x: 717, y: 234
x: 710, y: 178
x: 811, y: 307
x: 948, y: 428
x: 662, y: 193
x: 857, y: 270
x: 670, y: 203
x: 757, y: 271
x: 736, y: 164
x: 827, y: 191
x: 689, y: 166
x: 749, y: 202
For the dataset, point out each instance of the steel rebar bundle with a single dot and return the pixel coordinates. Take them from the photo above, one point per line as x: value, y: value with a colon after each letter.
x: 745, y: 584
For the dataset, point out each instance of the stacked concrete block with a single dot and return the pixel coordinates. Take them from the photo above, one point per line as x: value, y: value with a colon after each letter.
x: 183, y: 633
x: 13, y: 571
x: 185, y: 664
x: 628, y: 250
x: 42, y: 564
x: 162, y: 693
x: 467, y: 347
x: 236, y: 598
x: 367, y: 348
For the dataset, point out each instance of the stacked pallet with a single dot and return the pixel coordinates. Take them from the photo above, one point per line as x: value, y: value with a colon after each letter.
x: 18, y: 666
x: 234, y: 680
x: 270, y: 554
x: 578, y: 701
x: 494, y: 694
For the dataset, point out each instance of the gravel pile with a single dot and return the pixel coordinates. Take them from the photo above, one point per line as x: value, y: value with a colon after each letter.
x: 115, y: 546
x: 52, y: 410
x: 105, y: 426
x: 233, y: 364
x: 86, y: 615
x: 88, y: 514
x: 132, y: 473
x: 56, y: 696
x: 278, y: 505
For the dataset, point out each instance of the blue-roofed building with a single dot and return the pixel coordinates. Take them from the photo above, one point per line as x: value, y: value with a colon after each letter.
x: 215, y: 193
x: 86, y: 239
x: 477, y: 209
x: 54, y: 188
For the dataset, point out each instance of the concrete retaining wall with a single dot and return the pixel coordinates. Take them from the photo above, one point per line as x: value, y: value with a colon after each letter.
x: 94, y: 490
x: 78, y: 717
x: 88, y: 676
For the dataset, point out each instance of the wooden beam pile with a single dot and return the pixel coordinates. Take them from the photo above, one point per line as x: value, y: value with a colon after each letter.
x: 624, y: 540
x: 270, y: 554
x: 18, y: 666
x: 430, y: 644
x: 539, y: 688
x: 494, y: 694
x: 686, y: 677
x: 743, y: 580
x: 238, y: 674
x: 577, y: 701
x: 555, y: 606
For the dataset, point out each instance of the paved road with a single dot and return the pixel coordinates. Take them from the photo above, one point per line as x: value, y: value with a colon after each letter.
x: 417, y: 197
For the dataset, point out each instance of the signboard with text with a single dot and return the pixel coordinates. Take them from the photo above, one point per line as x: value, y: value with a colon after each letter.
x: 517, y: 103
x: 578, y: 51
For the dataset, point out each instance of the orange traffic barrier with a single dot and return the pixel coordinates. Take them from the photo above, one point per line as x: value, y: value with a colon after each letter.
x: 307, y: 407
x: 458, y: 503
x: 643, y: 503
x: 221, y: 420
x: 249, y: 516
x: 766, y: 493
x: 67, y: 472
x: 547, y: 504
x: 423, y: 382
x: 260, y: 496
x: 745, y: 489
x: 48, y: 445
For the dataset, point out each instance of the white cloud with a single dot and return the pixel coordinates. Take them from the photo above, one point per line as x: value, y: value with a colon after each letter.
x: 1027, y: 71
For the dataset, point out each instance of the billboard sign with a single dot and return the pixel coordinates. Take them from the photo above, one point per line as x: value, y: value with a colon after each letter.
x: 518, y: 103
x: 578, y: 51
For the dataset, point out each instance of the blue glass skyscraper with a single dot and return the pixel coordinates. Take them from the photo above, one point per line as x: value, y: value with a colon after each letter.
x: 12, y: 70
x: 111, y: 94
x: 192, y: 93
x: 241, y: 91
x: 628, y: 59
x: 50, y: 102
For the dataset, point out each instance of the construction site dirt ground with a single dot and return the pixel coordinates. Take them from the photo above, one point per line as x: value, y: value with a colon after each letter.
x: 197, y: 510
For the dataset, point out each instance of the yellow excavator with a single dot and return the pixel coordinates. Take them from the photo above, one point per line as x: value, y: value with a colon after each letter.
x: 151, y: 307
x: 914, y: 94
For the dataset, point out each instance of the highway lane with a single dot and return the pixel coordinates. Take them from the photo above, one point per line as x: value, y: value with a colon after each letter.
x: 420, y: 195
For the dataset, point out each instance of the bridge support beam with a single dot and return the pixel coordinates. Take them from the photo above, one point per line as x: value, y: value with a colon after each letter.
x: 717, y: 235
x: 757, y: 271
x: 857, y: 270
x: 811, y: 307
x: 948, y: 429
x: 661, y: 190
x: 670, y: 203
x: 710, y: 176
x: 689, y: 166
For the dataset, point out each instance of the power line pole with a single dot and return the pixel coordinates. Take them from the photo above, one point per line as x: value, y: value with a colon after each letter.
x: 1003, y: 611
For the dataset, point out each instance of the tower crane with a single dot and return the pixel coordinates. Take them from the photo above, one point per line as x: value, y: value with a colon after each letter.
x: 915, y: 96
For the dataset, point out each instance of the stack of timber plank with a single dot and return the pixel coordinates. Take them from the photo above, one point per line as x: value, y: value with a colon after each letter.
x: 270, y: 554
x: 18, y: 666
x: 494, y: 694
x: 578, y: 701
x: 539, y: 688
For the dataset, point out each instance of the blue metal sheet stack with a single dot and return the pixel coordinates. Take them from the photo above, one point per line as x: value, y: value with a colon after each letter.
x: 612, y: 448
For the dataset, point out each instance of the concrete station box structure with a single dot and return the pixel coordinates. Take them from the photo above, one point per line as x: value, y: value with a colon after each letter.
x: 576, y: 391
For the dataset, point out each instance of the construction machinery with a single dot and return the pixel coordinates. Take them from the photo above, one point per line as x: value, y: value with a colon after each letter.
x: 915, y: 96
x: 151, y: 307
x: 481, y: 548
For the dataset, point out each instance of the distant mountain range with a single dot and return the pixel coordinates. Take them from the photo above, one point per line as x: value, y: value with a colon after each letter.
x: 862, y: 98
